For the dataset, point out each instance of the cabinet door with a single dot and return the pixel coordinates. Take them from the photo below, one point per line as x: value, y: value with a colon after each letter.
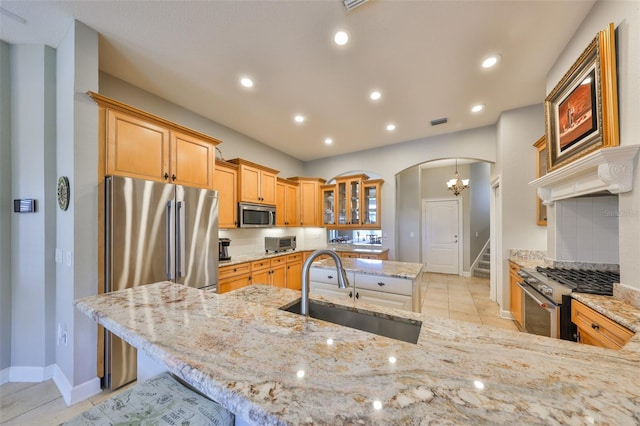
x: 294, y: 275
x: 371, y: 204
x: 261, y: 277
x: 233, y: 283
x: 249, y: 184
x: 136, y: 148
x: 309, y: 210
x: 225, y: 181
x: 192, y: 161
x: 279, y: 275
x: 328, y: 205
x: 354, y: 201
x: 292, y: 215
x: 281, y: 203
x: 389, y: 300
x: 267, y: 187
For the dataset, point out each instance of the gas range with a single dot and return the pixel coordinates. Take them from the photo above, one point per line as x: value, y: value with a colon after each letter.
x: 553, y: 283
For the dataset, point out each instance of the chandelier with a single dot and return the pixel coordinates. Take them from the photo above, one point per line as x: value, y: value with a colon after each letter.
x: 456, y: 184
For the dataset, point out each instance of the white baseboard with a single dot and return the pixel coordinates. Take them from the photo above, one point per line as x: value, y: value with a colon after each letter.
x: 70, y: 394
x: 74, y: 394
x: 505, y: 314
x: 5, y: 374
x: 31, y: 374
x: 466, y: 274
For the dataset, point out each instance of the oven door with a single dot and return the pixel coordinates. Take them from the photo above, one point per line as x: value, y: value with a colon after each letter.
x: 539, y: 315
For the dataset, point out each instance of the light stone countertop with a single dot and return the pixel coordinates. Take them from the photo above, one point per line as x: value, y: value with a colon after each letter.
x: 375, y: 267
x: 239, y: 349
x: 259, y: 255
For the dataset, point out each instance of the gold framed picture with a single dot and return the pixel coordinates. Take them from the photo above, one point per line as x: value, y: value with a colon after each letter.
x: 581, y: 112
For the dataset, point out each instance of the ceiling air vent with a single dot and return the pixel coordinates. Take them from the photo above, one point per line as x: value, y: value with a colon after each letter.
x: 352, y: 4
x: 438, y: 121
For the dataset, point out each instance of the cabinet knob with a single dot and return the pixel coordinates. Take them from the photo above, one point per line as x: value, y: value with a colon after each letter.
x: 381, y: 284
x: 330, y: 277
x: 350, y: 294
x: 595, y: 326
x: 173, y: 177
x: 165, y: 176
x: 357, y: 295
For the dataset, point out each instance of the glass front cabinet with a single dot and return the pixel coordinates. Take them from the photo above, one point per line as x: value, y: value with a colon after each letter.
x: 328, y: 204
x: 357, y: 202
x: 371, y: 203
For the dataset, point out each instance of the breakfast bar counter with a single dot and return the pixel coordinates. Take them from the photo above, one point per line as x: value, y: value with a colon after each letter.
x: 269, y: 366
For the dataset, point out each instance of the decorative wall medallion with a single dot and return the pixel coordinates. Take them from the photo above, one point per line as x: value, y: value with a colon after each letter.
x: 63, y: 192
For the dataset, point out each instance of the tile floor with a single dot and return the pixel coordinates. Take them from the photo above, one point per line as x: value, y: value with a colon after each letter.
x: 449, y: 296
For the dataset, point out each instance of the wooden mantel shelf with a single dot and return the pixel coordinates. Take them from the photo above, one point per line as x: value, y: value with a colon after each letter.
x: 608, y: 169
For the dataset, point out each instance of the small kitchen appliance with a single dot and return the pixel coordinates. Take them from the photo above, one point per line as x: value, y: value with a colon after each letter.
x: 279, y: 243
x: 223, y: 248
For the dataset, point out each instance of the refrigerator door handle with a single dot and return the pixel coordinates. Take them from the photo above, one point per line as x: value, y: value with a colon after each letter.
x: 180, y: 240
x: 167, y: 248
x: 107, y: 234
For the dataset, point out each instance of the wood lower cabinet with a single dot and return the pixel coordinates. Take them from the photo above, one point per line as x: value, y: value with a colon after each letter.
x: 294, y: 271
x: 597, y: 330
x: 348, y: 255
x: 271, y: 271
x: 233, y: 277
x: 516, y: 293
x: 225, y: 181
x: 141, y: 145
x: 256, y: 183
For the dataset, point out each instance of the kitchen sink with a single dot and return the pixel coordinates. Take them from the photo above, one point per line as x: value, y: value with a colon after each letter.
x: 397, y: 328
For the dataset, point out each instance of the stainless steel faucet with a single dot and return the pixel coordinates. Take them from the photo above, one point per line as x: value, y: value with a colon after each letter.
x: 343, y: 281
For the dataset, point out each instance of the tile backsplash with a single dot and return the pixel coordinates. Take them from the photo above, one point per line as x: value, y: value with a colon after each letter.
x: 587, y: 229
x: 251, y: 241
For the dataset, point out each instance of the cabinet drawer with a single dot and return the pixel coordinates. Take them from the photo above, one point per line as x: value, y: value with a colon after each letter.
x: 278, y: 260
x: 258, y: 265
x: 384, y: 284
x: 294, y: 257
x: 605, y: 332
x: 233, y: 270
x: 328, y: 276
x: 348, y: 255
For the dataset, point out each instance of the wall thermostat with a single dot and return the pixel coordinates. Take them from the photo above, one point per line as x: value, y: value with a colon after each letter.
x: 25, y: 205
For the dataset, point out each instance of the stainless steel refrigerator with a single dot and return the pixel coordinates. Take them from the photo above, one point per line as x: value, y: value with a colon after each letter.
x: 155, y: 232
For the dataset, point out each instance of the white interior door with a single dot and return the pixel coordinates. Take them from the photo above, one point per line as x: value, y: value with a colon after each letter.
x: 441, y: 236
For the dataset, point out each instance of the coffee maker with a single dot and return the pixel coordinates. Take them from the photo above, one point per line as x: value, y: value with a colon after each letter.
x: 223, y: 250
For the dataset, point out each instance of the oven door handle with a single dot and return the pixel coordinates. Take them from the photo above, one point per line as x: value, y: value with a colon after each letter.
x: 544, y: 305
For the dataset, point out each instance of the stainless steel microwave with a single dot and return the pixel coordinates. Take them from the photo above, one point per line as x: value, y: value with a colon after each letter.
x: 256, y: 215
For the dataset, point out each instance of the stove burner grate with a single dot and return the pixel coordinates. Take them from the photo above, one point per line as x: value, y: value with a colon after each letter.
x: 583, y: 280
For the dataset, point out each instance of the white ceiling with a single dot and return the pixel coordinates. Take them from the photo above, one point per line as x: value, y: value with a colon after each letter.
x: 423, y: 55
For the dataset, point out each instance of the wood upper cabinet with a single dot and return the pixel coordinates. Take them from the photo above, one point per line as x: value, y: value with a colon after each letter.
x: 225, y: 181
x: 192, y: 161
x: 371, y: 203
x: 309, y: 189
x: 136, y: 147
x: 516, y: 293
x: 256, y: 183
x: 328, y: 204
x: 141, y: 145
x: 287, y: 203
x: 356, y: 202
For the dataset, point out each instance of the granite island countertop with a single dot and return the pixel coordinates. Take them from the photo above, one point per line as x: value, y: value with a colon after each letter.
x: 242, y: 351
x: 375, y: 267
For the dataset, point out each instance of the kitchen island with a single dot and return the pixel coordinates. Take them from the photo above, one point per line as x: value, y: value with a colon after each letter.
x: 269, y: 366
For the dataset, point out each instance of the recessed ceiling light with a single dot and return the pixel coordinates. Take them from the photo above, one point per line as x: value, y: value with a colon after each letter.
x: 246, y: 82
x: 341, y: 38
x: 328, y: 141
x: 477, y: 108
x: 490, y: 61
x: 375, y: 95
x: 299, y: 118
x: 391, y: 127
